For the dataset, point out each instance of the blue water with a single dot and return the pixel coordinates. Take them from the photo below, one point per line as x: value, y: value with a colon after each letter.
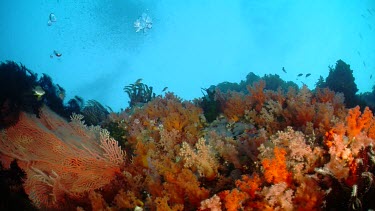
x: 191, y: 45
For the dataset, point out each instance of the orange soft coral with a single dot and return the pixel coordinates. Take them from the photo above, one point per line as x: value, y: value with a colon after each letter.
x: 175, y: 114
x: 184, y: 187
x: 356, y: 122
x: 249, y: 185
x: 275, y: 170
x: 233, y: 199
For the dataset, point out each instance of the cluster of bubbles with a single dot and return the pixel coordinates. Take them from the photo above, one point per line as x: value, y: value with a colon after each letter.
x: 143, y: 23
x: 52, y: 19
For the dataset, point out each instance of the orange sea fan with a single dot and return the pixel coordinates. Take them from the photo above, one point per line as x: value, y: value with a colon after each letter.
x: 60, y: 160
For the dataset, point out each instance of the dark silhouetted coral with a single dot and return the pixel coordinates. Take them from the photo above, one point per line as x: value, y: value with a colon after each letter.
x: 94, y: 112
x: 13, y: 196
x: 16, y: 92
x: 341, y: 79
x: 368, y: 98
x: 210, y: 106
x: 274, y: 82
x: 19, y: 89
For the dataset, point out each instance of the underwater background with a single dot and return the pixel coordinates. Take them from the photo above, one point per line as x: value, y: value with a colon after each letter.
x: 187, y: 105
x: 191, y: 45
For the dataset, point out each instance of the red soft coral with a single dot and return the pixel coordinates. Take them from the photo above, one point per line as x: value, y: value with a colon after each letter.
x: 257, y: 95
x: 233, y: 104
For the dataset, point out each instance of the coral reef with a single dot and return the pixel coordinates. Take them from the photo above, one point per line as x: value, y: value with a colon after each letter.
x: 266, y: 148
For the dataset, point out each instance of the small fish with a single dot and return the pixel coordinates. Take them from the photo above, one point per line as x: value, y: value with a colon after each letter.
x: 138, y: 81
x: 38, y: 92
x: 360, y: 36
x: 58, y: 54
x: 165, y: 89
x: 364, y: 63
x: 52, y: 17
x: 284, y: 70
x: 359, y: 53
x: 370, y: 76
x: 307, y: 75
x: 299, y: 75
